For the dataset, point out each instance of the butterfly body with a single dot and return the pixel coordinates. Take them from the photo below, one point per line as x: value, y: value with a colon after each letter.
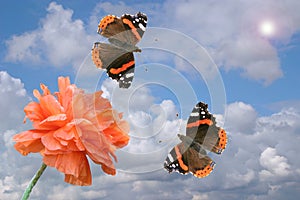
x: 202, y: 134
x: 117, y: 57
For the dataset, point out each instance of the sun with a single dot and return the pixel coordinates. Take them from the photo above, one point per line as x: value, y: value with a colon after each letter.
x: 267, y: 28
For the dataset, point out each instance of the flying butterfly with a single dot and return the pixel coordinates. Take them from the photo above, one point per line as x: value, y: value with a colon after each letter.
x: 202, y: 135
x: 117, y: 57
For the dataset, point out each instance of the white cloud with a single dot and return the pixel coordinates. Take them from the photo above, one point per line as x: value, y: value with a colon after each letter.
x: 255, y: 56
x: 229, y: 30
x: 261, y: 151
x: 59, y: 41
x: 246, y: 170
x: 146, y: 117
x: 132, y: 99
x: 265, y: 155
x: 239, y: 180
x: 240, y: 117
x: 13, y: 99
x: 274, y: 164
x: 248, y: 167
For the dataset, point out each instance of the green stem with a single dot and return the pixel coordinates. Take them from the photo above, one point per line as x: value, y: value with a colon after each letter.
x: 33, y: 182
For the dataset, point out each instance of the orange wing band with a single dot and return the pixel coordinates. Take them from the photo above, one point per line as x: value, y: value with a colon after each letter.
x: 121, y: 69
x: 179, y: 158
x: 129, y: 23
x: 199, y: 122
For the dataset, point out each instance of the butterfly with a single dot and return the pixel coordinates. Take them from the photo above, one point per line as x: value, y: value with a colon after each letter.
x: 116, y: 57
x: 202, y: 134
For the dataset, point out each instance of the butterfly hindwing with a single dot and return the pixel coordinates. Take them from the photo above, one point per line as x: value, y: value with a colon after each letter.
x: 184, y: 159
x: 122, y: 70
x: 201, y: 126
x: 174, y: 161
x: 118, y: 63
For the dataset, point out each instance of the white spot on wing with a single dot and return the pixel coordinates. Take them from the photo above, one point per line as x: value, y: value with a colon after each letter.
x: 194, y: 114
x: 142, y: 27
x: 129, y: 75
x: 170, y: 157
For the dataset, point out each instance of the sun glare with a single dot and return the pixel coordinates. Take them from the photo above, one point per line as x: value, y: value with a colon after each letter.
x: 267, y: 28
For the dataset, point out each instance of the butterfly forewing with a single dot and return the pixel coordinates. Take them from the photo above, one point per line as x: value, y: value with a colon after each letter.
x: 126, y: 31
x: 202, y: 128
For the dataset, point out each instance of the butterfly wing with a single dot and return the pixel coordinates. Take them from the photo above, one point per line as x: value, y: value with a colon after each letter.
x: 124, y: 32
x: 110, y: 25
x: 200, y: 165
x: 175, y: 162
x: 183, y: 159
x: 137, y: 26
x: 118, y: 62
x: 201, y: 126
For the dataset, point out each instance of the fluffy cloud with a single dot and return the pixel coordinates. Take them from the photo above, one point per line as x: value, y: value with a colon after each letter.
x: 274, y: 164
x: 240, y: 118
x: 149, y: 121
x: 59, y: 41
x: 230, y: 31
x: 260, y: 164
x: 260, y: 161
x: 13, y: 99
x: 256, y: 57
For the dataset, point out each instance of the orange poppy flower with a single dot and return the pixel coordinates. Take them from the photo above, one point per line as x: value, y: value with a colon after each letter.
x: 70, y: 125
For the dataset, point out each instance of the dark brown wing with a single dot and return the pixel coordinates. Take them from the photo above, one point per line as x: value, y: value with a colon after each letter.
x: 183, y: 159
x: 201, y: 126
x: 124, y: 32
x: 118, y: 62
x: 200, y: 165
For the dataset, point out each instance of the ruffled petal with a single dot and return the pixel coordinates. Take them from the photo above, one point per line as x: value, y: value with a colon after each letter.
x: 45, y: 89
x: 29, y: 142
x: 52, y: 122
x: 51, y: 143
x: 117, y: 134
x: 105, y: 118
x: 108, y: 170
x: 71, y: 126
x: 74, y: 165
x: 97, y: 146
x: 33, y: 112
x: 66, y: 133
x: 50, y: 106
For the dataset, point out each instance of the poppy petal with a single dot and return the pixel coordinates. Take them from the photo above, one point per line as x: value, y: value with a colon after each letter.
x: 74, y: 165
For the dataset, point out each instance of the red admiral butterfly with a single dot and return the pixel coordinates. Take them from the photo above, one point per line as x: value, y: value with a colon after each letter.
x: 201, y: 134
x: 117, y: 57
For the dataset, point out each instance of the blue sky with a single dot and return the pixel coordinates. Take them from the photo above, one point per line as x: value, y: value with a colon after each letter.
x: 240, y: 57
